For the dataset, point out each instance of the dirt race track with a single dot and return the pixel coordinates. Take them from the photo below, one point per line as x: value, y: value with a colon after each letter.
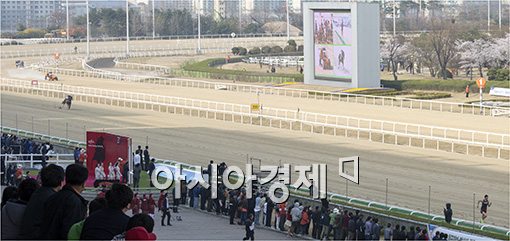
x: 453, y: 177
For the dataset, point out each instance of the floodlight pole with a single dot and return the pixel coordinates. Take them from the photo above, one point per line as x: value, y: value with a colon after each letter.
x: 153, y: 20
x: 67, y: 19
x: 240, y: 14
x: 127, y: 27
x: 488, y: 16
x: 499, y: 8
x: 198, y: 42
x: 394, y: 18
x: 288, y: 21
x: 88, y: 30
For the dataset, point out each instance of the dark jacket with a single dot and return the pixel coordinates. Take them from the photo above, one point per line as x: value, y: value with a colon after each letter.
x: 32, y: 219
x: 104, y: 224
x: 151, y: 168
x: 376, y: 231
x: 61, y: 211
x: 448, y: 213
x: 146, y: 156
x: 12, y: 214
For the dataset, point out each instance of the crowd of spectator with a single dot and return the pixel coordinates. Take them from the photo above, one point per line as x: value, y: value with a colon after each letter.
x: 321, y: 222
x: 44, y: 208
x: 11, y: 144
x: 47, y: 209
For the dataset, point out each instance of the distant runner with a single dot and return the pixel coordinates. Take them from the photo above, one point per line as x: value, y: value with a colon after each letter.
x: 483, y: 210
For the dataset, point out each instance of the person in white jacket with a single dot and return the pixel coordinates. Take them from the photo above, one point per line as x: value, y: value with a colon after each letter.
x: 111, y: 172
x: 97, y: 172
x: 118, y: 175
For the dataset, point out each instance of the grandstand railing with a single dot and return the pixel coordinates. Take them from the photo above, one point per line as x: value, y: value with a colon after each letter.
x: 32, y: 159
x: 334, y: 198
x: 406, y: 103
x: 492, y: 145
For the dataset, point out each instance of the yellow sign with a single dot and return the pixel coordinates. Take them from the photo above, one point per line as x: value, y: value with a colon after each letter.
x: 255, y: 107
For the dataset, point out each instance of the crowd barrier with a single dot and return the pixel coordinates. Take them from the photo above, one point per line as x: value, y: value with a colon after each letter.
x: 334, y: 198
x: 486, y: 144
x: 56, y: 158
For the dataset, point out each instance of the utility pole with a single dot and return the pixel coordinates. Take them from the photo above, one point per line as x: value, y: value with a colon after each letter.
x: 88, y: 30
x: 127, y: 27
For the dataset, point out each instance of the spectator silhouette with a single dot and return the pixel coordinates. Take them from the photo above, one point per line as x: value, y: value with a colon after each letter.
x: 66, y: 207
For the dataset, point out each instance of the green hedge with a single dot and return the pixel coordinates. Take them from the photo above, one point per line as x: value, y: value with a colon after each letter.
x: 411, y: 94
x: 441, y: 85
x: 502, y: 74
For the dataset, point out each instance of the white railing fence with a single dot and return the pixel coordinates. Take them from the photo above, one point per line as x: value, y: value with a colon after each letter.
x: 375, y: 130
x: 407, y: 103
x: 30, y: 160
x: 137, y: 38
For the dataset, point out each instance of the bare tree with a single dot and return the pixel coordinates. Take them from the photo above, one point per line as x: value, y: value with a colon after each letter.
x: 391, y: 50
x: 425, y: 52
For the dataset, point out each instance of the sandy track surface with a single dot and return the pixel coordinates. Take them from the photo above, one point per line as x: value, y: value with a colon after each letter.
x: 453, y: 177
x: 444, y: 119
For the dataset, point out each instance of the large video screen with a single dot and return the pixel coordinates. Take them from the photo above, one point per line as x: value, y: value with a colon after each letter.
x: 332, y: 45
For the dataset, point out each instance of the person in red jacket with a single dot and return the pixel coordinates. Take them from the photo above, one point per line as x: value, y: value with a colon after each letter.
x: 135, y: 204
x: 161, y: 199
x: 152, y: 206
x: 305, y: 221
x: 145, y: 204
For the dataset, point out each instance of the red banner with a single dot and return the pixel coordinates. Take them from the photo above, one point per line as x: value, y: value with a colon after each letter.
x: 109, y: 153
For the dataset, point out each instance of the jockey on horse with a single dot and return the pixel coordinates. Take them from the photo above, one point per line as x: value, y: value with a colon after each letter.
x: 67, y: 101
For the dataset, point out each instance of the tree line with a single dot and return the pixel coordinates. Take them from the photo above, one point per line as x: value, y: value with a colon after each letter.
x: 447, y: 48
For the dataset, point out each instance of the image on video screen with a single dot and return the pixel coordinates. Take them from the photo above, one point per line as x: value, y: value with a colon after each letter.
x: 332, y: 45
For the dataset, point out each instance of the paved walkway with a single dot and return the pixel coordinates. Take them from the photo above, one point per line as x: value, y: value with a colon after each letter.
x: 197, y: 225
